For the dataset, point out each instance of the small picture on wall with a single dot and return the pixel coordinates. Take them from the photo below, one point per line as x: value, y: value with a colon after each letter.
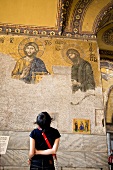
x: 81, y: 126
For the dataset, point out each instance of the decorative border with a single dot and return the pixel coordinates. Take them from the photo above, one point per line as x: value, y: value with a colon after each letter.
x: 32, y: 31
x: 78, y: 14
x: 101, y: 15
x: 62, y: 21
x: 26, y: 30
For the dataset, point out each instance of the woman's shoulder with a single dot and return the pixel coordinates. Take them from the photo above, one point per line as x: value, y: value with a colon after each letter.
x: 35, y: 131
x: 55, y: 131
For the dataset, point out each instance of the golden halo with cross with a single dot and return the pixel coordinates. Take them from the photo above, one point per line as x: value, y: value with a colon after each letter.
x: 40, y: 44
x: 75, y: 46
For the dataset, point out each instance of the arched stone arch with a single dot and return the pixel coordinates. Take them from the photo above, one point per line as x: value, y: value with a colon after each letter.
x: 78, y: 15
x: 103, y: 16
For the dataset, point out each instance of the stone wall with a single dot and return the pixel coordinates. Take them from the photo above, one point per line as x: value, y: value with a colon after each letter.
x: 21, y: 102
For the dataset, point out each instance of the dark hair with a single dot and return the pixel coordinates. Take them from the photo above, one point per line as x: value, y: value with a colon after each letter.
x: 31, y: 44
x: 43, y: 120
x: 73, y: 51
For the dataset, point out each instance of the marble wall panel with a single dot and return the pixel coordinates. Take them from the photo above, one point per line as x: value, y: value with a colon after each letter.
x: 82, y: 159
x: 17, y: 140
x: 15, y: 158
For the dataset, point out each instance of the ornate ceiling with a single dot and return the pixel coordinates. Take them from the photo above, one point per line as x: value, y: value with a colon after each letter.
x: 86, y: 19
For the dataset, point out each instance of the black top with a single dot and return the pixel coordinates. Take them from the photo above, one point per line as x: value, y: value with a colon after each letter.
x: 40, y: 143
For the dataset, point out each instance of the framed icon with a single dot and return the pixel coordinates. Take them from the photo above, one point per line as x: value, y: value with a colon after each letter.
x: 81, y: 126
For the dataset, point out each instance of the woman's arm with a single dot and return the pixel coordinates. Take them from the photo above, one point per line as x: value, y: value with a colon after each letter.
x: 53, y: 150
x: 32, y: 148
